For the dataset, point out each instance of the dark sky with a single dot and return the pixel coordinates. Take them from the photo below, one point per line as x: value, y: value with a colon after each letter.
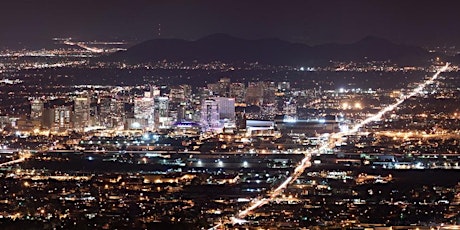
x: 311, y: 22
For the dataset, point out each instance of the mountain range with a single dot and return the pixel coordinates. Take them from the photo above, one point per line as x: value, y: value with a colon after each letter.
x: 229, y: 49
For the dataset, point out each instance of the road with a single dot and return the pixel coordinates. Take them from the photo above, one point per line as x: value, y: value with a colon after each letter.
x: 305, y: 163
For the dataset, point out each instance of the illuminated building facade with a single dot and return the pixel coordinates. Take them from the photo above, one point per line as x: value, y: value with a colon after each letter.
x: 161, y: 112
x: 81, y: 112
x: 209, y: 115
x: 143, y: 109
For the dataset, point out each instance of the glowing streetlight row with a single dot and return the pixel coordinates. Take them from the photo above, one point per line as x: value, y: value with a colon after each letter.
x: 258, y: 202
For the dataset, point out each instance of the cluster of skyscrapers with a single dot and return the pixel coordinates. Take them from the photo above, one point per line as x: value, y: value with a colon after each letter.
x: 146, y: 108
x: 218, y: 107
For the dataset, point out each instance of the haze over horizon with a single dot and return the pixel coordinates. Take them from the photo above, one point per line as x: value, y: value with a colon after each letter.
x: 35, y: 23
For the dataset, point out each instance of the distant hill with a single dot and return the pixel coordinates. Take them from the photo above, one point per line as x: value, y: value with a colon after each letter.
x: 226, y: 48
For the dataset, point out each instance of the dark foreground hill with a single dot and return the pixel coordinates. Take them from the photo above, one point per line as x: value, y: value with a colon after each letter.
x: 225, y: 48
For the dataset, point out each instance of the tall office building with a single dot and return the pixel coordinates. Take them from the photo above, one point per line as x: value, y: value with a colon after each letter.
x: 111, y: 112
x: 217, y: 113
x: 238, y: 91
x: 62, y: 118
x: 209, y: 115
x: 143, y: 109
x: 119, y: 111
x: 81, y: 112
x: 254, y: 93
x: 161, y: 112
x: 58, y: 115
x: 179, y: 101
x: 104, y: 112
x: 177, y: 94
x: 220, y: 88
x: 104, y: 106
x: 226, y: 108
x: 37, y: 107
x: 269, y: 90
x: 93, y: 113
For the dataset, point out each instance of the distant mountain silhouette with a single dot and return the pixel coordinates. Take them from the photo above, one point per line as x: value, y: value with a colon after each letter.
x: 226, y: 48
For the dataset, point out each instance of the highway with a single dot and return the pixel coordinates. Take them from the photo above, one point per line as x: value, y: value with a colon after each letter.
x: 81, y: 45
x: 12, y: 162
x: 305, y: 163
x: 24, y: 156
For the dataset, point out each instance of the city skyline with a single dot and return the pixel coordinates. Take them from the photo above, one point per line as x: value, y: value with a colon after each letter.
x: 234, y: 115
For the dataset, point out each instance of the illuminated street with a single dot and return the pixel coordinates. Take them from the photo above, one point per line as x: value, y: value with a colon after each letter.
x: 229, y: 115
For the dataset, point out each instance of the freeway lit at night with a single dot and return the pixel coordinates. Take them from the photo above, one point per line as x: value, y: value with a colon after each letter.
x: 377, y: 116
x: 179, y: 115
x: 305, y: 163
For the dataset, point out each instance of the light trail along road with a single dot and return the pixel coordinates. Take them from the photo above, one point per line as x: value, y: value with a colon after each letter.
x: 305, y: 163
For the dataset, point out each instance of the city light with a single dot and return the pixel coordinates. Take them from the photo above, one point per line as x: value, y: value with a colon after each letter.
x: 358, y: 105
x: 268, y: 146
x: 258, y: 202
x: 293, y: 121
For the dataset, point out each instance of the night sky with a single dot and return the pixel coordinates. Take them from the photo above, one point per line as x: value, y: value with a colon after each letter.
x: 312, y: 22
